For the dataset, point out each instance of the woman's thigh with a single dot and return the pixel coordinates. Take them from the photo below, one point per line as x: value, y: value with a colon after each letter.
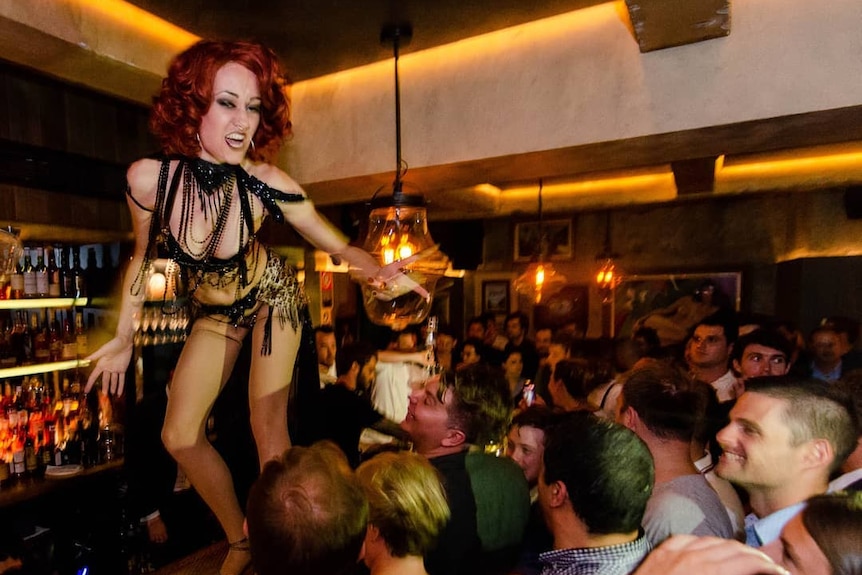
x: 271, y: 374
x: 203, y: 368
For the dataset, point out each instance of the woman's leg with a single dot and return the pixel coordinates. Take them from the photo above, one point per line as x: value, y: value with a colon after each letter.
x: 269, y: 383
x: 202, y: 370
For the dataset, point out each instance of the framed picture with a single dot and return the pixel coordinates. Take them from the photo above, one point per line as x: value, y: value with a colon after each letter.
x: 672, y: 304
x: 558, y: 235
x: 495, y: 296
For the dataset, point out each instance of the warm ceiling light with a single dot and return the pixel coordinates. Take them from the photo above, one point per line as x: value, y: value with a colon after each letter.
x: 398, y: 238
x: 540, y: 279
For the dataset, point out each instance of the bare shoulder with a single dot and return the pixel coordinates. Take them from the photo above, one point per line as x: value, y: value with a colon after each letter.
x: 142, y: 177
x: 275, y: 177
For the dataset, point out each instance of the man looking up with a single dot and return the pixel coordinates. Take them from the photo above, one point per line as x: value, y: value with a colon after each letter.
x: 785, y: 438
x: 664, y: 408
x: 709, y: 350
x: 595, y: 482
x: 444, y: 419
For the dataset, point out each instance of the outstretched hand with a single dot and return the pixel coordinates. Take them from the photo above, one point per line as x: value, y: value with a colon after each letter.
x: 112, y: 361
x: 686, y: 554
x: 389, y: 282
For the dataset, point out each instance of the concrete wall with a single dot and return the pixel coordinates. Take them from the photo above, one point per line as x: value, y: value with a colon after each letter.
x: 576, y: 79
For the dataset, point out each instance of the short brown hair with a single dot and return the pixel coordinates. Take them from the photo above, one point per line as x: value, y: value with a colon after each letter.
x: 306, y: 513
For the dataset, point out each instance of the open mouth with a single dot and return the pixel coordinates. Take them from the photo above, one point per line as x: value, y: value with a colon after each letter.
x: 235, y: 140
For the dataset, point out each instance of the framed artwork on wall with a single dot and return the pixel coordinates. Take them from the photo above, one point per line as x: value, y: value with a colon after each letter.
x: 495, y: 296
x: 557, y: 232
x: 672, y: 304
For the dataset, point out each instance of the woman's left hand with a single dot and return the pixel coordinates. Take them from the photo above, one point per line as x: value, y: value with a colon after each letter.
x: 112, y: 361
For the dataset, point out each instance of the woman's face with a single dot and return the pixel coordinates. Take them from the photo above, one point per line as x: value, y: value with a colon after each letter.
x: 469, y: 355
x: 514, y: 365
x: 797, y: 551
x: 229, y: 125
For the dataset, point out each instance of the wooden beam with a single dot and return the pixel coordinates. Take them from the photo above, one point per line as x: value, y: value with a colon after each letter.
x: 694, y: 176
x: 659, y: 24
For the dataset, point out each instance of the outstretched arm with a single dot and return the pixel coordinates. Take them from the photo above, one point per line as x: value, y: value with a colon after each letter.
x: 315, y: 228
x: 112, y: 359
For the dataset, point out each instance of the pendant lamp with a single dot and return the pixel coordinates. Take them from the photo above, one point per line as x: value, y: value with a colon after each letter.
x: 608, y: 275
x: 540, y: 279
x: 398, y: 236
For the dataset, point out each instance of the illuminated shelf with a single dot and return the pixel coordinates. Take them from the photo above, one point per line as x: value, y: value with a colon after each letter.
x: 43, y: 302
x: 23, y: 370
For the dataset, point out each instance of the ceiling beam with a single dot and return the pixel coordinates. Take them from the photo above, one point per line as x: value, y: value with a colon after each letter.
x: 695, y: 176
x: 659, y: 24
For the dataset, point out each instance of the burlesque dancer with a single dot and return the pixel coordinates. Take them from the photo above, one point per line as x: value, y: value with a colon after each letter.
x: 220, y: 113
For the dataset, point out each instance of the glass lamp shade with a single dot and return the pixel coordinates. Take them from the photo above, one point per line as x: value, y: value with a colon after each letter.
x: 400, y: 233
x: 608, y: 277
x: 539, y: 281
x: 10, y: 251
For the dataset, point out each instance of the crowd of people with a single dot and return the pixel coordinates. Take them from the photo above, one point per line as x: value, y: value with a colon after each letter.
x: 739, y: 454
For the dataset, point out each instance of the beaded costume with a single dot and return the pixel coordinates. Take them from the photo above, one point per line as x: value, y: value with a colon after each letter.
x: 211, y: 187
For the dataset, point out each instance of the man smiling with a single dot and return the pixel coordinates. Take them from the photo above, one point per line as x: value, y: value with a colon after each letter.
x: 786, y: 436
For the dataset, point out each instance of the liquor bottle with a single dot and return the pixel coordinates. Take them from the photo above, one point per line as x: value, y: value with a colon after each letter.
x: 41, y: 271
x: 80, y: 280
x: 67, y: 276
x: 39, y: 336
x: 7, y: 357
x: 16, y: 339
x: 70, y: 344
x: 81, y: 335
x: 29, y: 275
x: 55, y: 281
x: 31, y: 460
x: 28, y: 340
x: 16, y: 281
x: 55, y: 339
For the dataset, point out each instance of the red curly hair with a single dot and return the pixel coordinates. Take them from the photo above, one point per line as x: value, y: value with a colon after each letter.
x: 186, y: 95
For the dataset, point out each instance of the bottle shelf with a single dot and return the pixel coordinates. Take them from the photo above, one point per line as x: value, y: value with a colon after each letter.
x: 22, y: 370
x: 43, y: 302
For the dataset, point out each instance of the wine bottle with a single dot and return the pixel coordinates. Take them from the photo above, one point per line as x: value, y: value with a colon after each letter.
x: 41, y: 271
x: 29, y: 275
x: 39, y: 336
x: 16, y: 282
x: 79, y: 279
x: 81, y: 335
x: 55, y: 281
x: 67, y: 277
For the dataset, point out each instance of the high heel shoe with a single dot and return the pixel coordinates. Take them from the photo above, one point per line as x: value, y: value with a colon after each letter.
x: 238, y: 560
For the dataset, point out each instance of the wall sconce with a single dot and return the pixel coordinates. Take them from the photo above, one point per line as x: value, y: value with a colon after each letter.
x: 398, y: 237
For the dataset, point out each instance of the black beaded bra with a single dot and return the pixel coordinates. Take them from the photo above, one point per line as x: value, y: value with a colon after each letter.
x: 208, y: 191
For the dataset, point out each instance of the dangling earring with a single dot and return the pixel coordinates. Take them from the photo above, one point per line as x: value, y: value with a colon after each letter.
x: 253, y: 149
x: 198, y: 137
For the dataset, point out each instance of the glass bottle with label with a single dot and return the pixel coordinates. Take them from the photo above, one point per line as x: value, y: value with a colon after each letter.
x: 81, y: 335
x: 55, y: 285
x: 67, y: 277
x: 41, y: 271
x: 16, y: 281
x: 29, y: 275
x: 80, y: 280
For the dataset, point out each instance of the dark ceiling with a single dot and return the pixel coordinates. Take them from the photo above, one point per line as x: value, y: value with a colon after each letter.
x: 318, y: 37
